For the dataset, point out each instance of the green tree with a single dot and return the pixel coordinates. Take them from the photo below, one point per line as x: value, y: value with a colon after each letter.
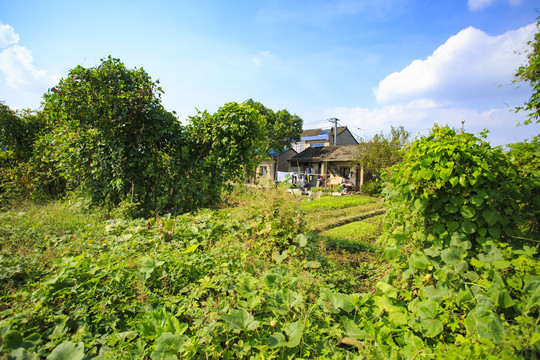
x: 224, y: 147
x: 282, y: 127
x: 526, y: 156
x: 531, y: 73
x: 106, y: 130
x: 18, y: 131
x: 382, y: 151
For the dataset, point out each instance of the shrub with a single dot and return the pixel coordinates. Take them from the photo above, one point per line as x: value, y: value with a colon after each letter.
x: 372, y: 188
x: 453, y: 182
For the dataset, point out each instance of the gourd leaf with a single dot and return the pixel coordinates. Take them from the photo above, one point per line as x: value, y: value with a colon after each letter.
x: 453, y: 255
x: 294, y: 331
x: 67, y: 351
x: 22, y: 354
x: 240, y: 320
x: 482, y: 323
x: 352, y: 330
x: 168, y: 346
x: 387, y: 289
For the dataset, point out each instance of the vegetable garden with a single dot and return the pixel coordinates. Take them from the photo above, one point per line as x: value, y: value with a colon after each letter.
x: 250, y: 280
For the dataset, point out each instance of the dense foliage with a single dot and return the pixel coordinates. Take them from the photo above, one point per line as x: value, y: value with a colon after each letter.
x: 531, y: 73
x: 108, y: 132
x: 378, y: 153
x: 473, y: 279
x: 453, y: 182
x: 252, y: 282
x: 103, y: 132
x: 235, y: 283
x: 282, y: 127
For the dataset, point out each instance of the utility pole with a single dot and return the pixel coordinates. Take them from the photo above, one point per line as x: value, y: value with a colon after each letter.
x: 335, y: 121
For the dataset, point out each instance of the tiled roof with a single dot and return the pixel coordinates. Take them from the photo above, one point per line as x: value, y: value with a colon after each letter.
x: 327, y: 153
x: 313, y: 153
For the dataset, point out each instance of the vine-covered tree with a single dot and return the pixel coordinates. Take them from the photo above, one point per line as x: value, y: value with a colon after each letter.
x: 106, y: 129
x: 105, y: 133
x: 225, y: 147
x: 531, y: 73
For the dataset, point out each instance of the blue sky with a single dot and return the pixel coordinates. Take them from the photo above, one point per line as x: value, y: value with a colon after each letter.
x: 370, y: 63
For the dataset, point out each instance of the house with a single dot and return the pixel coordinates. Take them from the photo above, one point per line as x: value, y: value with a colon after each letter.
x: 324, y: 137
x: 328, y: 165
x: 275, y: 163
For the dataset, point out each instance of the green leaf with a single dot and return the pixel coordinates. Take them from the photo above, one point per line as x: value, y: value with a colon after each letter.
x: 22, y: 354
x: 468, y: 212
x: 451, y: 208
x: 12, y: 339
x: 277, y: 340
x: 294, y: 331
x: 240, y: 320
x: 491, y: 216
x: 391, y: 252
x: 495, y: 232
x: 452, y: 225
x: 301, y: 240
x: 169, y: 225
x: 420, y: 261
x: 191, y: 249
x: 468, y: 227
x: 433, y: 251
x: 67, y: 351
x: 340, y: 301
x: 168, y: 346
x: 387, y: 289
x: 352, y: 329
x: 420, y: 205
x: 483, y: 323
x: 431, y: 327
x: 453, y: 255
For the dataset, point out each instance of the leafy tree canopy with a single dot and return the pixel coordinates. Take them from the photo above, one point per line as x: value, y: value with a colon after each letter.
x: 282, y: 127
x: 531, y: 73
x: 18, y: 131
x: 382, y: 151
x: 106, y: 126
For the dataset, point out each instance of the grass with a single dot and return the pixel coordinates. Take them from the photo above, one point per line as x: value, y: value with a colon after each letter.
x: 356, y: 236
x: 335, y: 202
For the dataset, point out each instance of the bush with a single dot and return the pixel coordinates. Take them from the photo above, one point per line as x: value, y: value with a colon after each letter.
x: 372, y: 188
x: 453, y: 182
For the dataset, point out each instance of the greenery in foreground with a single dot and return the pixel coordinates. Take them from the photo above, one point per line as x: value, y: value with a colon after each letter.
x: 251, y: 282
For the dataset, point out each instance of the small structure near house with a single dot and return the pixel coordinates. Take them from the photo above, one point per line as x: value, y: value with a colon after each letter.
x: 328, y: 166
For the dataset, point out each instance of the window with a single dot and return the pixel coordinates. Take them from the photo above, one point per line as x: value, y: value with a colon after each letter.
x: 263, y: 171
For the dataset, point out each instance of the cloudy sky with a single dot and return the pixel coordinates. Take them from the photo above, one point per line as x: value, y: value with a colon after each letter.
x: 370, y: 63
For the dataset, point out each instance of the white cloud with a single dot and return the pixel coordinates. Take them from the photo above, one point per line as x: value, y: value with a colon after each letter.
x: 479, y: 4
x: 418, y: 117
x: 7, y: 36
x: 262, y: 54
x: 21, y: 82
x: 482, y: 4
x: 470, y: 65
